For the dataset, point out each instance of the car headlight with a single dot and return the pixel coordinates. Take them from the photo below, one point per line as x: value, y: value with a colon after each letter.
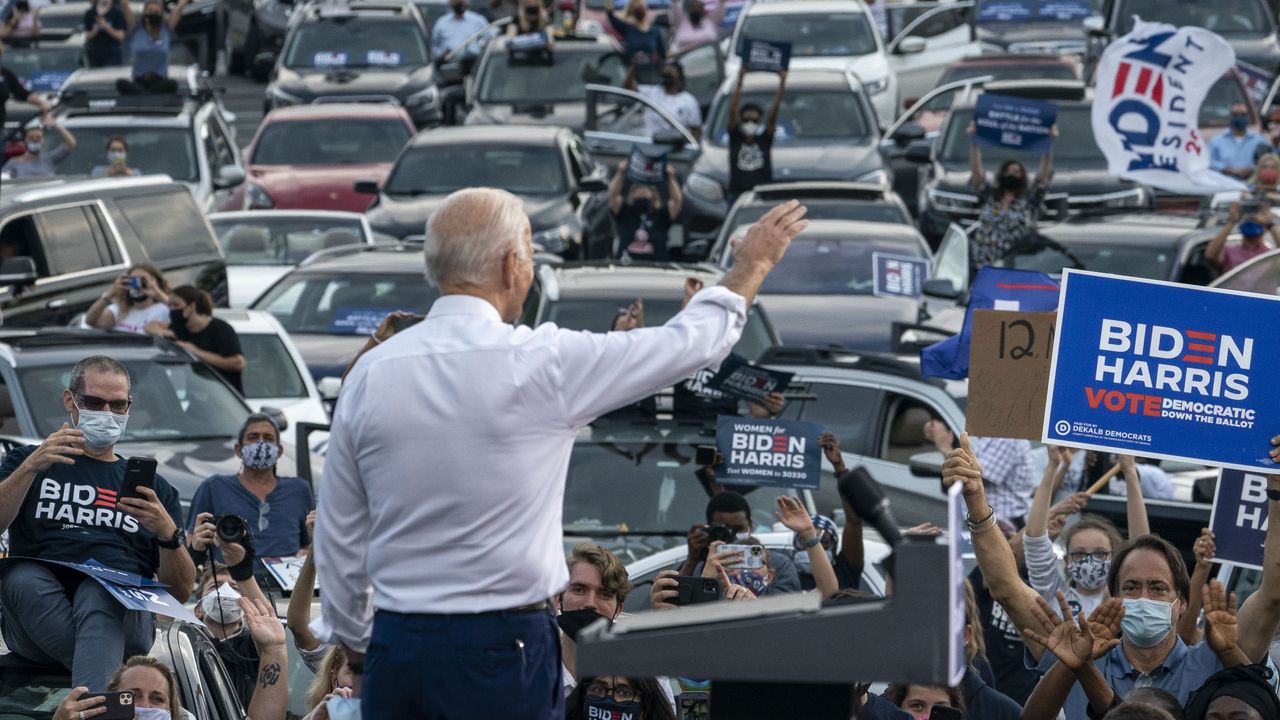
x: 875, y: 177
x: 953, y: 202
x: 280, y: 98
x: 555, y: 240
x: 255, y: 198
x: 875, y: 87
x: 704, y: 188
x: 425, y: 97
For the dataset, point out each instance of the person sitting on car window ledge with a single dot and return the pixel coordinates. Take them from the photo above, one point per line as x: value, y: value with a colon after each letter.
x: 22, y: 26
x: 1007, y: 213
x: 67, y: 500
x: 149, y: 45
x: 644, y: 219
x: 117, y: 164
x: 104, y: 32
x: 693, y: 26
x: 452, y: 28
x: 35, y: 162
x: 729, y: 519
x: 1233, y: 153
x: 750, y: 143
x: 275, y: 507
x: 137, y: 303
x: 213, y: 340
x: 640, y: 36
x: 671, y: 96
x: 531, y: 17
x: 1254, y: 227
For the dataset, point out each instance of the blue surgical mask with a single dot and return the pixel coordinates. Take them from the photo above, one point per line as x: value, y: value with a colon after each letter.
x: 1147, y: 622
x: 341, y: 708
x: 1239, y: 122
x: 102, y: 428
x: 152, y: 714
x: 1249, y: 228
x: 260, y: 455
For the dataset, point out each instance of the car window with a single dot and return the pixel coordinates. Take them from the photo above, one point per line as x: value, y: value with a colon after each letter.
x: 70, y: 245
x: 848, y: 411
x: 43, y: 67
x: 1215, y: 111
x: 814, y: 34
x: 218, y: 685
x: 1143, y: 261
x: 903, y: 434
x: 328, y: 142
x: 580, y: 159
x: 21, y: 236
x: 169, y: 225
x: 509, y: 79
x: 1221, y: 16
x: 282, y: 240
x: 865, y: 210
x: 224, y: 148
x: 269, y: 370
x: 702, y: 70
x: 357, y: 42
x: 167, y: 151
x: 804, y: 115
x: 344, y: 304
x: 442, y: 169
x: 824, y: 265
x: 942, y: 22
x: 597, y: 314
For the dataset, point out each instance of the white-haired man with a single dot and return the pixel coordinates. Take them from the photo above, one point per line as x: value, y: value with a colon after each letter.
x: 438, y: 542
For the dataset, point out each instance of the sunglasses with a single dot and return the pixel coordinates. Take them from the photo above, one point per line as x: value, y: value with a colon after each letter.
x: 95, y: 403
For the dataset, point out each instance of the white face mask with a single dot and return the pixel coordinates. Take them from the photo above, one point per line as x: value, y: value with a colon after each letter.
x: 750, y: 128
x: 222, y: 605
x: 152, y: 714
x: 341, y: 708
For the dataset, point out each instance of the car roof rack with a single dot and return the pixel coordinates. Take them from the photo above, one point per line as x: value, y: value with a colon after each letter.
x: 840, y: 358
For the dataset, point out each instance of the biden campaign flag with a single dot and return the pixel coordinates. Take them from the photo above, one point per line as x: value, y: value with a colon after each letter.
x: 1165, y: 370
x: 993, y: 289
x: 1146, y: 106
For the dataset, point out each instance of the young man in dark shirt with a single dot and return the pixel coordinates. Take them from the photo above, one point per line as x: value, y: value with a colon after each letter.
x: 750, y: 145
x: 642, y: 216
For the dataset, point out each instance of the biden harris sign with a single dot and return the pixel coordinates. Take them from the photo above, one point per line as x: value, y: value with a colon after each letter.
x: 780, y: 453
x: 1165, y: 370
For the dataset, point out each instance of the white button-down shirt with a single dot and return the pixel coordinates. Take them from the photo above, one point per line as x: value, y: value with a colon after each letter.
x: 444, y: 481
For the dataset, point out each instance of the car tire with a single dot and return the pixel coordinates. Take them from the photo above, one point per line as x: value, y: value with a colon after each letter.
x: 252, y: 46
x: 235, y: 59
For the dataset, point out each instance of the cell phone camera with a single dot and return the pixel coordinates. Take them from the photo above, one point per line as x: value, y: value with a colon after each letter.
x: 126, y: 698
x: 711, y: 586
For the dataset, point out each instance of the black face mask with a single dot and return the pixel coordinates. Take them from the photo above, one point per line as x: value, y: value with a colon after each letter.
x: 642, y: 205
x: 459, y: 9
x: 151, y: 19
x: 669, y: 81
x: 177, y: 319
x: 1012, y: 183
x: 573, y: 621
x: 695, y: 16
x: 532, y: 13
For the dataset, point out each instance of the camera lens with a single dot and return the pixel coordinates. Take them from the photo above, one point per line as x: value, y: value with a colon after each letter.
x: 719, y: 533
x: 230, y: 528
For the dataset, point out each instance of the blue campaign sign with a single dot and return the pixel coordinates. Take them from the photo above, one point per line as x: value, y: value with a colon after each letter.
x: 47, y: 80
x: 777, y: 453
x: 897, y: 276
x: 740, y: 379
x: 1006, y: 11
x: 1012, y: 122
x: 358, y: 320
x: 529, y: 42
x: 1165, y: 370
x: 765, y: 55
x: 1239, y: 518
x: 150, y: 599
x: 1063, y: 10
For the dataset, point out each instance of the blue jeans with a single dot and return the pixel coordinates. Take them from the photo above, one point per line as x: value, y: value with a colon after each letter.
x: 439, y: 667
x: 60, y: 617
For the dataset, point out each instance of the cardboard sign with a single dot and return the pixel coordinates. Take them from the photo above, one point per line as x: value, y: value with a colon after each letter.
x: 1006, y: 11
x: 1165, y: 370
x: 898, y: 276
x: 776, y: 453
x: 1009, y: 358
x: 765, y: 55
x: 646, y: 169
x: 528, y: 42
x: 1239, y: 518
x: 739, y: 379
x: 1015, y: 123
x: 382, y: 57
x: 285, y: 570
x: 330, y: 59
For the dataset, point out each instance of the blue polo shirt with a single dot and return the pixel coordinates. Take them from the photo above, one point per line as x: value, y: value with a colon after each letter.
x: 278, y: 524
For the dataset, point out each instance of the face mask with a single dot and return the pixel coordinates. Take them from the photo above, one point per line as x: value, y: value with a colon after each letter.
x: 532, y: 12
x: 222, y: 605
x: 1147, y: 622
x: 115, y: 157
x: 757, y: 584
x: 101, y: 428
x: 177, y: 319
x: 341, y: 708
x: 459, y: 9
x: 152, y: 714
x: 641, y: 14
x: 1089, y: 573
x: 573, y: 621
x: 137, y: 295
x: 1239, y: 122
x: 1012, y: 183
x: 151, y: 18
x: 34, y: 146
x: 609, y: 709
x: 1268, y: 176
x: 260, y: 455
x: 642, y: 205
x: 1249, y: 228
x: 695, y: 16
x: 669, y: 81
x: 750, y: 128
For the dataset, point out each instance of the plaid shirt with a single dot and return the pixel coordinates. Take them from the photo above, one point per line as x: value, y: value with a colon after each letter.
x: 1007, y: 475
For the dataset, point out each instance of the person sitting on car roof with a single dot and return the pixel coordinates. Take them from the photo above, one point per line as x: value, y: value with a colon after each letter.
x: 138, y: 303
x: 642, y: 216
x: 452, y: 28
x: 104, y: 32
x: 670, y: 96
x: 1009, y: 212
x: 149, y: 45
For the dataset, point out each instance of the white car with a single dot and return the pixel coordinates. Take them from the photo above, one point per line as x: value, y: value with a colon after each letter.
x: 274, y: 372
x: 261, y: 246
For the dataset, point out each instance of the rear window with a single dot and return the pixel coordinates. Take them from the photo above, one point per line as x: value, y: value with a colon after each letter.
x: 169, y: 225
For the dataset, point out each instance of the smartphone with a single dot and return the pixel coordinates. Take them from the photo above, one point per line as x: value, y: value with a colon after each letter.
x: 1250, y: 207
x: 752, y: 555
x: 695, y: 705
x: 133, y: 283
x: 139, y: 472
x: 694, y: 590
x: 403, y: 323
x: 119, y: 705
x: 705, y: 455
x: 944, y: 712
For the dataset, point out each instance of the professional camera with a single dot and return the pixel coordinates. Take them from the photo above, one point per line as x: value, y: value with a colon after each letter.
x: 721, y: 533
x: 231, y: 528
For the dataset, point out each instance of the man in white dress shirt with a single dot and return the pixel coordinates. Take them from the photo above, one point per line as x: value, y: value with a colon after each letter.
x: 438, y: 536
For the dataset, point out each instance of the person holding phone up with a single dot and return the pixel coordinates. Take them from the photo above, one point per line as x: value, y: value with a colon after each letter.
x: 22, y: 26
x: 67, y: 499
x: 138, y: 303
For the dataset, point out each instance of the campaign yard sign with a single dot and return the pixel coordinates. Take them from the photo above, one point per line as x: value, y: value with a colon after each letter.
x: 776, y: 453
x: 130, y: 590
x: 740, y: 379
x: 1239, y: 518
x: 1017, y: 123
x: 645, y: 169
x: 1165, y: 370
x: 1006, y: 11
x: 765, y: 55
x: 898, y: 276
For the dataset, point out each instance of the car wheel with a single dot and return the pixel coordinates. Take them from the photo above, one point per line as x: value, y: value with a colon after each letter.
x: 235, y: 60
x: 252, y: 46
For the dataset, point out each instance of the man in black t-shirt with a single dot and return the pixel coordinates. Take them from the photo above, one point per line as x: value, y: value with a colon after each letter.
x: 750, y: 145
x: 67, y: 500
x: 641, y: 216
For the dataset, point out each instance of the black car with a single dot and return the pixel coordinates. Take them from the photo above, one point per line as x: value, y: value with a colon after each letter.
x: 253, y: 33
x: 361, y: 51
x: 1249, y: 25
x: 547, y: 167
x: 1034, y: 26
x: 1080, y: 177
x: 827, y: 130
x: 541, y: 89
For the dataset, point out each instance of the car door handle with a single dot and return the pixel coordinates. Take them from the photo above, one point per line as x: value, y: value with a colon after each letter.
x: 56, y: 304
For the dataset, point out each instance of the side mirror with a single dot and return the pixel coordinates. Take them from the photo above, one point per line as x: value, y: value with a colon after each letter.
x: 670, y: 137
x: 918, y: 153
x: 926, y: 464
x: 277, y: 415
x: 908, y: 133
x: 1095, y: 25
x: 366, y: 187
x: 264, y: 60
x: 940, y: 288
x: 228, y: 176
x: 594, y: 184
x: 18, y: 271
x: 329, y: 387
x: 910, y: 45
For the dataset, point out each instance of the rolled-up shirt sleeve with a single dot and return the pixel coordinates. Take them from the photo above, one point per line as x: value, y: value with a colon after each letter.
x: 1042, y: 566
x: 342, y: 540
x: 599, y: 372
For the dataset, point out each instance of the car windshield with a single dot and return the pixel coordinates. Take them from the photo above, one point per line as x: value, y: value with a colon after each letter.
x: 998, y: 72
x: 867, y: 210
x: 804, y: 116
x: 814, y: 34
x: 1143, y: 261
x: 284, y: 240
x: 1260, y: 276
x: 831, y: 266
x: 1228, y: 17
x: 269, y: 369
x: 171, y: 151
x: 1215, y: 111
x: 441, y: 169
x: 357, y: 43
x: 513, y: 81
x: 344, y: 303
x: 173, y: 399
x: 1075, y: 141
x: 597, y: 314
x: 344, y: 141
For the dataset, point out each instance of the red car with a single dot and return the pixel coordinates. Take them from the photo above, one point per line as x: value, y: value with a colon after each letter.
x: 309, y: 156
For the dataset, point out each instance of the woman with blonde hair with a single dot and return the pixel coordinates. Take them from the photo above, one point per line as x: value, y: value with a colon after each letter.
x: 333, y: 678
x: 1266, y: 178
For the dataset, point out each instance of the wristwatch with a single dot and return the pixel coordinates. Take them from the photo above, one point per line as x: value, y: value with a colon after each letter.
x: 175, y: 542
x: 1273, y: 494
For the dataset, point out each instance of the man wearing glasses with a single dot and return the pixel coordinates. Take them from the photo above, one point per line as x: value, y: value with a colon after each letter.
x: 66, y: 500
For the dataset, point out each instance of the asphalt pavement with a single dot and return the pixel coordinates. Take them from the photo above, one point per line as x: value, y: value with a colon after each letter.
x: 244, y: 98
